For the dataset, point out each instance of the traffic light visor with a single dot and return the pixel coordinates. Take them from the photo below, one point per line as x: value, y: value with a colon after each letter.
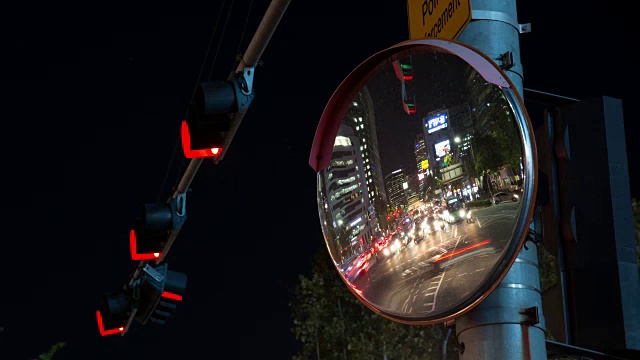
x: 191, y: 153
x: 113, y: 313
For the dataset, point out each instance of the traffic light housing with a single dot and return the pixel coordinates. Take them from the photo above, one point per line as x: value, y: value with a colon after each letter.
x: 403, y: 69
x: 152, y: 297
x: 404, y: 73
x: 114, y: 312
x: 161, y: 290
x: 210, y: 116
x: 409, y: 106
x: 151, y: 232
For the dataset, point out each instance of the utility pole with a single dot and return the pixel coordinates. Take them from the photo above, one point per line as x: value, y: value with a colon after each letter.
x: 509, y: 323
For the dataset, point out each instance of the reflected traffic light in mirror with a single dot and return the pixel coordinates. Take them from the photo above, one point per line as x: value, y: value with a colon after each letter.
x: 403, y: 69
x: 409, y: 106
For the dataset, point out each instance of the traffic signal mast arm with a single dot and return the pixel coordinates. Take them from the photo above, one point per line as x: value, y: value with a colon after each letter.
x: 246, y: 67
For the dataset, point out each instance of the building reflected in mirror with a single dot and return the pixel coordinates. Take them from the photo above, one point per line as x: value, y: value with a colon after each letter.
x: 352, y: 187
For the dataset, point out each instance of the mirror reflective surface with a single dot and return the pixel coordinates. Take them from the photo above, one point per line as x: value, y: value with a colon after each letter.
x: 420, y: 203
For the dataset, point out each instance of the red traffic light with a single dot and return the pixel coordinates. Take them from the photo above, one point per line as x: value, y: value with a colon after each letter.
x: 151, y: 232
x: 172, y: 296
x: 133, y: 248
x: 409, y: 108
x: 113, y: 314
x: 190, y: 153
x: 106, y: 332
x: 403, y: 71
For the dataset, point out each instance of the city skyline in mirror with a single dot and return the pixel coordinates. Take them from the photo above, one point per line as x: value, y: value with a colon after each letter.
x: 421, y: 196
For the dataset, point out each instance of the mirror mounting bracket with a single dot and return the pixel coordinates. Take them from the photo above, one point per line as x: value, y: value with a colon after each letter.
x: 459, y: 347
x: 532, y: 235
x: 531, y: 316
x: 506, y: 60
x: 511, y: 315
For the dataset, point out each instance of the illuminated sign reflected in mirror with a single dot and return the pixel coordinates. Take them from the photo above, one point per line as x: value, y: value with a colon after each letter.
x: 442, y: 148
x: 407, y: 201
x: 437, y: 122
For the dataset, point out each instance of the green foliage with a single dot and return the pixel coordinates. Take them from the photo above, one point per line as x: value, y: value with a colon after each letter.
x: 331, y: 322
x: 469, y: 166
x: 488, y: 156
x: 498, y: 144
x: 49, y: 354
x: 548, y: 268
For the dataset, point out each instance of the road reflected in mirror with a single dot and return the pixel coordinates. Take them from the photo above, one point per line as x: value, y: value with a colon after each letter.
x: 423, y: 191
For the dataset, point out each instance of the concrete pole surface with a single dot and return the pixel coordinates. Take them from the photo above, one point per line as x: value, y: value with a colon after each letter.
x: 494, y: 329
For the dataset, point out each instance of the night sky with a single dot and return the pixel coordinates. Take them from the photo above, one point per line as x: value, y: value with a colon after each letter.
x: 110, y: 93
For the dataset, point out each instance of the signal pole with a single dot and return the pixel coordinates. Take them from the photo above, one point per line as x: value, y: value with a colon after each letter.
x: 509, y: 323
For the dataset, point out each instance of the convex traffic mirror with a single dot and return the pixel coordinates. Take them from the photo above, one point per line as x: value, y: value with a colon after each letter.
x: 425, y: 179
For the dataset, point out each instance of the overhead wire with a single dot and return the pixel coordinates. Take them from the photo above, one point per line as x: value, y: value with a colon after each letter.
x: 221, y: 38
x: 244, y: 28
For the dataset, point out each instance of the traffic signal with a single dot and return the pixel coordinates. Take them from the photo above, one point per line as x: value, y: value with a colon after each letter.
x: 114, y: 312
x: 154, y: 296
x: 161, y: 290
x: 210, y: 116
x: 409, y: 106
x: 152, y: 228
x: 403, y: 69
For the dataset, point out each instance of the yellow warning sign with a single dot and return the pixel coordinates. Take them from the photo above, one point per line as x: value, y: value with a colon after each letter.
x: 443, y: 19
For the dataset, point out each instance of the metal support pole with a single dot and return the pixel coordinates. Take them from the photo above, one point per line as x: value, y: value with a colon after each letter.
x: 187, y: 177
x: 250, y: 58
x: 509, y: 323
